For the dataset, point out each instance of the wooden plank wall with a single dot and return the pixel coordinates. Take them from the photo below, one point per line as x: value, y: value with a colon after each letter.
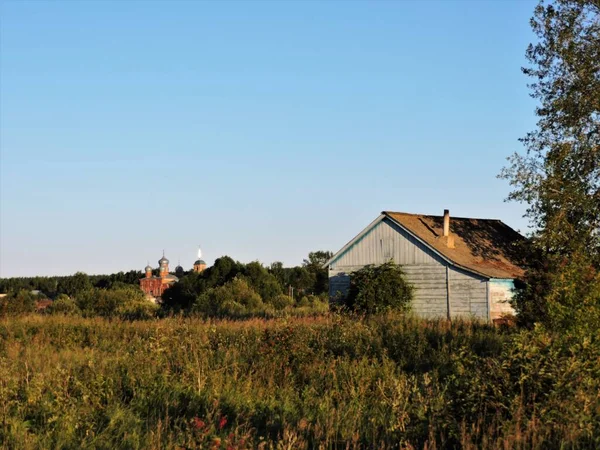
x: 429, y: 281
x: 468, y: 294
x: 384, y: 242
x: 424, y: 269
x: 430, y: 296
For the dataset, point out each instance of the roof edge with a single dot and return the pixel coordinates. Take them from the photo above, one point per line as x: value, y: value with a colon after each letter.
x: 353, y: 240
x: 441, y: 216
x: 387, y: 214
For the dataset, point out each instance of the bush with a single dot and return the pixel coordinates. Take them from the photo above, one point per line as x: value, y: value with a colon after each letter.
x: 64, y: 305
x: 282, y: 301
x: 109, y: 302
x: 16, y: 303
x: 379, y: 288
x: 138, y: 310
x: 234, y: 298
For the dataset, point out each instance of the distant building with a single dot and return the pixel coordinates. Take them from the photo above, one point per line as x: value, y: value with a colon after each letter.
x: 199, y: 264
x: 155, y: 286
x: 460, y: 268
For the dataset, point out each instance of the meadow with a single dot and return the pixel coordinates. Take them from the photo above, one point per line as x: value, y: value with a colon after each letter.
x: 328, y: 381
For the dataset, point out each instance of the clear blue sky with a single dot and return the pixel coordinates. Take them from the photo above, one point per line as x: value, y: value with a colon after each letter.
x: 260, y: 130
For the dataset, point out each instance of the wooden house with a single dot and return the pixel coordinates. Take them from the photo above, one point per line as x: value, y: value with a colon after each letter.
x: 460, y: 267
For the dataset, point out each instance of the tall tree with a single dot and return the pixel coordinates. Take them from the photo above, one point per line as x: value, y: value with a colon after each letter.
x: 314, y: 264
x: 559, y: 174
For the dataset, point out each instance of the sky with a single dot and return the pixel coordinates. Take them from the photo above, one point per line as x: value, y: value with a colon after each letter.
x: 258, y: 130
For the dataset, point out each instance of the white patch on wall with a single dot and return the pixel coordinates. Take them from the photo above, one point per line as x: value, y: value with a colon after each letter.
x: 501, y: 292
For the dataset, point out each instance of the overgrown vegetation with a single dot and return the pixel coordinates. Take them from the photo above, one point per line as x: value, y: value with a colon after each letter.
x: 83, y: 377
x: 380, y: 288
x: 559, y: 175
x: 334, y: 381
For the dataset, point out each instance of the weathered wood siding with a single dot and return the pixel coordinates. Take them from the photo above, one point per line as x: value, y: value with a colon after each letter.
x: 501, y: 292
x: 468, y: 294
x: 429, y: 281
x: 384, y: 242
x: 433, y: 278
x: 430, y: 296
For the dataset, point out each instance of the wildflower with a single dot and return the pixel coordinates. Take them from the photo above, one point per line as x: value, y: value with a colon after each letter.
x: 302, y: 424
x: 198, y: 423
x: 222, y: 422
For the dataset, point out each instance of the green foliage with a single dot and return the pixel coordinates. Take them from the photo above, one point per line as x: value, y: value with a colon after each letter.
x: 119, y: 295
x: 65, y: 305
x: 314, y: 265
x: 282, y: 301
x: 382, y: 381
x: 16, y: 303
x: 75, y: 284
x: 264, y: 283
x: 121, y: 301
x: 191, y: 293
x: 234, y: 298
x: 559, y: 175
x: 68, y: 285
x: 309, y: 279
x: 138, y: 309
x: 182, y: 295
x: 379, y: 288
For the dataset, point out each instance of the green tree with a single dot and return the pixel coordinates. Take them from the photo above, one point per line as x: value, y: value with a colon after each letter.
x: 314, y: 264
x: 375, y: 289
x: 262, y: 281
x: 280, y: 273
x: 223, y: 270
x: 234, y: 298
x: 74, y: 284
x: 182, y: 295
x: 558, y: 176
x: 108, y: 302
x: 65, y: 305
x: 16, y: 303
x: 301, y: 279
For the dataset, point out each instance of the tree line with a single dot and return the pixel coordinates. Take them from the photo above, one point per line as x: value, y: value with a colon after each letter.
x: 228, y: 288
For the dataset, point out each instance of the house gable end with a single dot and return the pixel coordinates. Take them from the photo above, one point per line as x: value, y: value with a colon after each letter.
x: 382, y: 241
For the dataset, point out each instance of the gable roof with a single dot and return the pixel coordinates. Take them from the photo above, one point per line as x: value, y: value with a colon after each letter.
x: 484, y: 246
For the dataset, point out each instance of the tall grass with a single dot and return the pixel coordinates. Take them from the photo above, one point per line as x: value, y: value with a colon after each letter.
x: 307, y: 382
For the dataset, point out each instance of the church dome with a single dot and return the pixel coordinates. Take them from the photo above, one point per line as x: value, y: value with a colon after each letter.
x: 148, y: 268
x: 163, y: 260
x: 199, y: 262
x: 178, y: 268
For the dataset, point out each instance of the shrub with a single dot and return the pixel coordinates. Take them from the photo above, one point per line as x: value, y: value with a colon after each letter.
x: 281, y: 301
x: 138, y: 310
x: 234, y: 298
x: 64, y: 305
x: 379, y: 288
x: 16, y: 303
x: 108, y: 302
x: 303, y: 302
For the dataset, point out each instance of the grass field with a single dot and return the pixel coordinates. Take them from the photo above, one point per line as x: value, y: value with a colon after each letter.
x: 322, y: 382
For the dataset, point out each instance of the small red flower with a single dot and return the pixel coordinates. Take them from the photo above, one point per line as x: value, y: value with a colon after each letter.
x: 198, y: 423
x: 222, y: 422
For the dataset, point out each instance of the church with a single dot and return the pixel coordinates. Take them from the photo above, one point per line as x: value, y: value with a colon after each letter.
x: 155, y: 286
